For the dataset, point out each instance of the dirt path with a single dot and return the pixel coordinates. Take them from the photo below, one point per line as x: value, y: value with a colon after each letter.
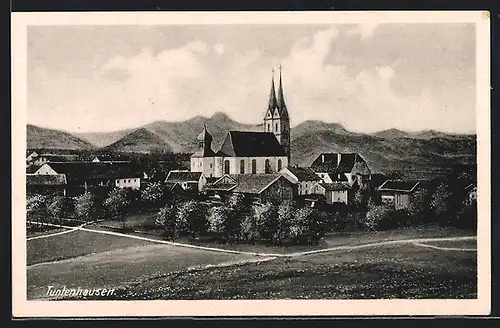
x: 420, y: 242
x: 70, y: 229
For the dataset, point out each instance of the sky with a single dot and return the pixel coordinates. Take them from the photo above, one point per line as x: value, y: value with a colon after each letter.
x: 366, y: 77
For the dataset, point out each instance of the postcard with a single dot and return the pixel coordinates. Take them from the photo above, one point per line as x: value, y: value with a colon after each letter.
x: 251, y: 164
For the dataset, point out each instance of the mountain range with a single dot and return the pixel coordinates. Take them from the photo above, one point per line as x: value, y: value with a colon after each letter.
x: 384, y: 150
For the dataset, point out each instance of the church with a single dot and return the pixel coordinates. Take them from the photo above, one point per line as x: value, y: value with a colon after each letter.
x: 242, y: 152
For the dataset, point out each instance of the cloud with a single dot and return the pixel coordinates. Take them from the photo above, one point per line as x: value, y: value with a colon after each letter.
x: 219, y: 49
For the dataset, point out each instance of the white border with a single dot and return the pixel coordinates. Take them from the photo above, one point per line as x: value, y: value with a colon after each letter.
x: 24, y: 308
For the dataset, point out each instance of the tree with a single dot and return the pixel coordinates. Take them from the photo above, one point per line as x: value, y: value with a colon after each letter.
x: 419, y: 205
x: 60, y: 207
x: 36, y: 209
x: 440, y: 203
x: 152, y: 194
x: 167, y: 219
x: 305, y: 227
x: 117, y: 205
x: 86, y: 207
x: 285, y: 218
x: 192, y: 218
x: 361, y: 197
x: 266, y: 220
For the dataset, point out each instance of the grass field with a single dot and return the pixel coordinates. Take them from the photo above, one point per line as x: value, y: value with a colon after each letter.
x: 402, y: 272
x: 141, y: 269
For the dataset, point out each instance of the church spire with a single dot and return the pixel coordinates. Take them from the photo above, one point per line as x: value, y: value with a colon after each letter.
x: 281, y: 100
x: 272, y: 96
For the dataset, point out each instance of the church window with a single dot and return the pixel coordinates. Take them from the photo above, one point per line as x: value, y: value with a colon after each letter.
x: 210, y: 165
x: 277, y: 127
x: 279, y: 164
x: 226, y: 166
x: 268, y: 168
x: 254, y: 166
x: 242, y: 166
x: 268, y: 127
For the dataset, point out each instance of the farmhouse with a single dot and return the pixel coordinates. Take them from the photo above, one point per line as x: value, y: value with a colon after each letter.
x: 349, y: 167
x: 304, y: 178
x: 396, y: 193
x: 335, y: 192
x: 258, y: 187
x: 188, y: 181
x: 84, y: 175
x: 244, y: 152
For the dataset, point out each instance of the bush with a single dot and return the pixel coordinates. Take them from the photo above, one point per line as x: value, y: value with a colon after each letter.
x: 87, y: 207
x: 467, y: 217
x: 60, y: 207
x: 440, y: 202
x: 376, y: 218
x: 282, y: 234
x: 248, y: 229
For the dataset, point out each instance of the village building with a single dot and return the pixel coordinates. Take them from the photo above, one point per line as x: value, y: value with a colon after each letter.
x: 335, y: 192
x: 55, y: 158
x: 397, y: 193
x: 257, y: 187
x: 81, y: 176
x: 186, y: 180
x: 244, y: 152
x: 343, y: 167
x: 46, y: 184
x: 377, y: 179
x: 305, y: 179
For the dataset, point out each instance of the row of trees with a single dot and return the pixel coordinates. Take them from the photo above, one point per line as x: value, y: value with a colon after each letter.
x: 115, y: 204
x: 240, y: 221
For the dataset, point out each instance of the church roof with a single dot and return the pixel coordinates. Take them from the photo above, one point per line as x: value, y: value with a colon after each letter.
x: 203, y: 153
x: 282, y: 110
x: 204, y: 135
x: 251, y: 144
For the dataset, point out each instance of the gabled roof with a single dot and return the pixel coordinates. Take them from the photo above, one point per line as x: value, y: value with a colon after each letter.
x: 335, y: 186
x: 45, y: 179
x: 183, y: 176
x: 248, y: 183
x: 470, y: 186
x: 378, y: 179
x: 32, y: 169
x: 76, y: 171
x: 397, y: 185
x: 303, y: 173
x: 251, y: 144
x: 336, y: 162
x: 338, y: 176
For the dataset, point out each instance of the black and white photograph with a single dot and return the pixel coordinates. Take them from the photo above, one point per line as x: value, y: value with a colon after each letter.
x: 320, y: 160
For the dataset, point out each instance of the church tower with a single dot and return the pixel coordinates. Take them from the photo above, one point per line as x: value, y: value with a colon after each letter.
x: 277, y: 119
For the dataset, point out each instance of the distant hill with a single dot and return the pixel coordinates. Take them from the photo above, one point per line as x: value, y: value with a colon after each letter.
x: 102, y: 139
x: 412, y: 155
x: 38, y: 137
x: 139, y: 141
x: 393, y: 149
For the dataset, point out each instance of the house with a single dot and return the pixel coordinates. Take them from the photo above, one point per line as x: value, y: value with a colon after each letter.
x: 187, y: 180
x: 335, y: 192
x: 332, y: 167
x: 30, y: 157
x: 246, y: 152
x: 258, y: 187
x: 471, y: 193
x: 396, y: 193
x: 46, y: 184
x: 304, y: 178
x: 84, y: 175
x: 55, y: 158
x: 378, y: 179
